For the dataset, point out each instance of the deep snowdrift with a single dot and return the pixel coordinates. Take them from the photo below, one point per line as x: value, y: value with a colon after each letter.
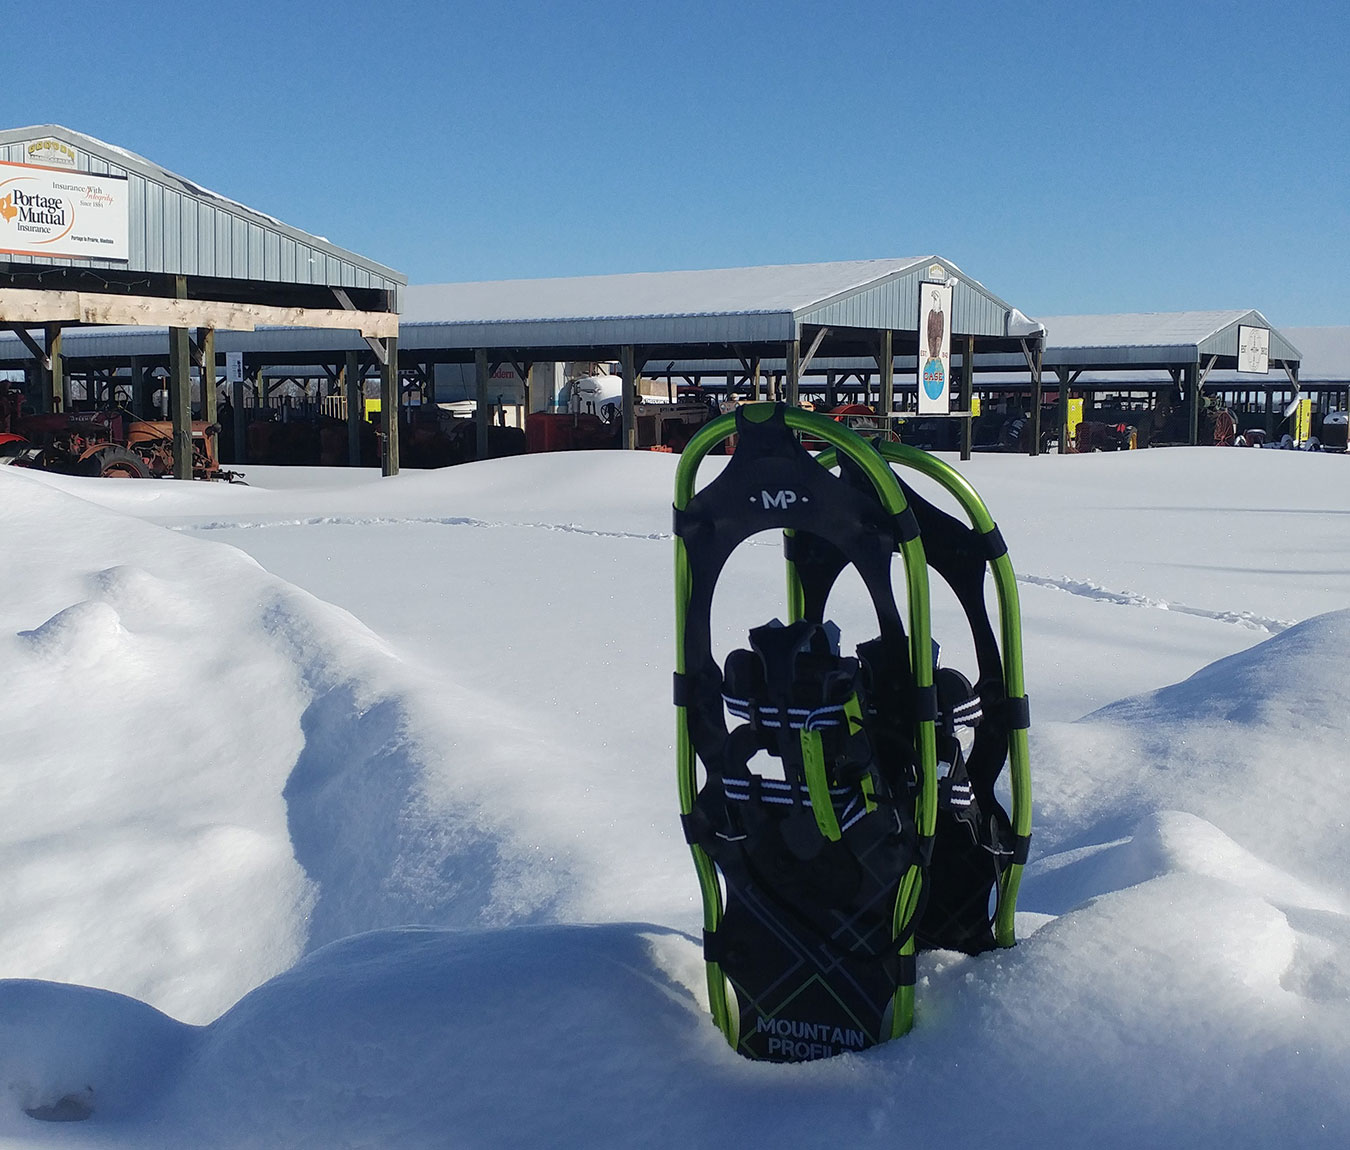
x: 217, y: 782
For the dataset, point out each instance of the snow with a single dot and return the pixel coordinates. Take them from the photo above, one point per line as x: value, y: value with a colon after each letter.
x: 341, y: 812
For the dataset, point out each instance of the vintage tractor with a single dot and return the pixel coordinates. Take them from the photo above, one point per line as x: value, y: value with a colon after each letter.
x: 107, y: 443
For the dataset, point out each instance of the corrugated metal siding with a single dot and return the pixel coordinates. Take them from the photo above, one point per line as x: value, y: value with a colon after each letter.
x: 174, y: 231
x: 1225, y: 341
x: 894, y: 303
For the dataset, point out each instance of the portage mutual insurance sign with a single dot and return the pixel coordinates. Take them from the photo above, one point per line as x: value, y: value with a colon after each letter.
x: 64, y: 214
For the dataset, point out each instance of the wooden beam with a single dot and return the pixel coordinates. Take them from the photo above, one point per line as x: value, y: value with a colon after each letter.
x: 793, y: 353
x: 32, y: 307
x: 352, y: 379
x: 482, y: 374
x: 180, y: 401
x: 886, y: 384
x: 811, y: 352
x: 35, y: 349
x: 628, y: 371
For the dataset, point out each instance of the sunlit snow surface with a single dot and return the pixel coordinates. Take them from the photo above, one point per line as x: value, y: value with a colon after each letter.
x: 367, y: 786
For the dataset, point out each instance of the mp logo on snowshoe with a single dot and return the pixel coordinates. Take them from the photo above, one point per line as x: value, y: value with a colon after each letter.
x: 779, y: 499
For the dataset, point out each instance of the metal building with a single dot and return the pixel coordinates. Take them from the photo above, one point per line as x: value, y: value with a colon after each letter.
x: 785, y: 316
x: 93, y: 234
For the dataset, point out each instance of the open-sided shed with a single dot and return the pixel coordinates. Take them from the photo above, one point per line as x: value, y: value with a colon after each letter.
x: 786, y: 316
x: 1182, y: 351
x: 91, y: 234
x: 790, y: 314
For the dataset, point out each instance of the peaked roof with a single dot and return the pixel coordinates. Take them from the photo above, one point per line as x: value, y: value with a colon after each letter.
x: 721, y: 306
x: 794, y: 288
x: 1155, y: 337
x: 179, y: 227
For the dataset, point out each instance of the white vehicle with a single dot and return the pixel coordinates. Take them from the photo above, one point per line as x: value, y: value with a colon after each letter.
x: 592, y: 395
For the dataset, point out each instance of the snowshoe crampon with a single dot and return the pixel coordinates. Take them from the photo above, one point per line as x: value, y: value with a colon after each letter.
x: 877, y: 832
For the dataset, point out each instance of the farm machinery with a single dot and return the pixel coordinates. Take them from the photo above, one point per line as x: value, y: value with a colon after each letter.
x: 100, y: 443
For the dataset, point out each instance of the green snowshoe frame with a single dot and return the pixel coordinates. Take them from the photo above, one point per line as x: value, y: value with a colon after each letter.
x: 876, y: 495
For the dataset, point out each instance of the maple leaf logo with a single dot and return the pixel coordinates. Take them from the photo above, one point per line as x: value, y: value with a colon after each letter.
x: 7, y: 209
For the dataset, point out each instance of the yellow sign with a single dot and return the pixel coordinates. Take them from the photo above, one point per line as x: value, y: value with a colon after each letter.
x: 51, y: 153
x: 975, y: 406
x: 372, y: 407
x: 1075, y: 415
x: 1303, y: 421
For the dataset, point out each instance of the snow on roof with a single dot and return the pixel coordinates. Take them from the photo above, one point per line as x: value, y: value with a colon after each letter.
x: 1142, y: 329
x: 724, y: 291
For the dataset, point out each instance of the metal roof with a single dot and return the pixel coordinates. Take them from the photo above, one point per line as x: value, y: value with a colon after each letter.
x: 682, y: 312
x: 721, y: 306
x: 177, y: 227
x: 1154, y: 338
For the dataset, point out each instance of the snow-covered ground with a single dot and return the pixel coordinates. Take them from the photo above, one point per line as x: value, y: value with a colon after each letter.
x: 340, y: 811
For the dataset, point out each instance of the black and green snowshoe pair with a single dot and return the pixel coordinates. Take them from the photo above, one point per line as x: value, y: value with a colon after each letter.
x: 882, y: 835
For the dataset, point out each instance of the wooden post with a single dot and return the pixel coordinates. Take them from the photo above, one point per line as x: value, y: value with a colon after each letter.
x: 886, y: 386
x: 628, y: 370
x: 1034, y: 359
x: 180, y: 400
x: 794, y: 352
x: 1193, y: 402
x: 356, y: 408
x: 480, y: 415
x: 967, y: 394
x: 140, y: 390
x: 56, y: 383
x: 240, y: 421
x: 389, y: 405
x: 756, y: 382
x: 1062, y: 413
x: 206, y: 340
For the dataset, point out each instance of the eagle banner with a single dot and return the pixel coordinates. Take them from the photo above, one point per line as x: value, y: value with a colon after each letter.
x: 935, y: 348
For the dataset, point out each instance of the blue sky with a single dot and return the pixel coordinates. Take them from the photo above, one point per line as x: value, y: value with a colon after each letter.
x: 1075, y: 157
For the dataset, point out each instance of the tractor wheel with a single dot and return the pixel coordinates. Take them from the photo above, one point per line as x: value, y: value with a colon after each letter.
x: 118, y: 463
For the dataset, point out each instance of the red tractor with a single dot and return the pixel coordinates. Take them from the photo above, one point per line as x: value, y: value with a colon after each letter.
x: 98, y: 442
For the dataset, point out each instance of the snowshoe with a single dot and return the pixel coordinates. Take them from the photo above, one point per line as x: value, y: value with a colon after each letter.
x: 820, y: 825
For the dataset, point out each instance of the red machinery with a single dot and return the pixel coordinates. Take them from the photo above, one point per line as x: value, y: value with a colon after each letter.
x: 98, y: 442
